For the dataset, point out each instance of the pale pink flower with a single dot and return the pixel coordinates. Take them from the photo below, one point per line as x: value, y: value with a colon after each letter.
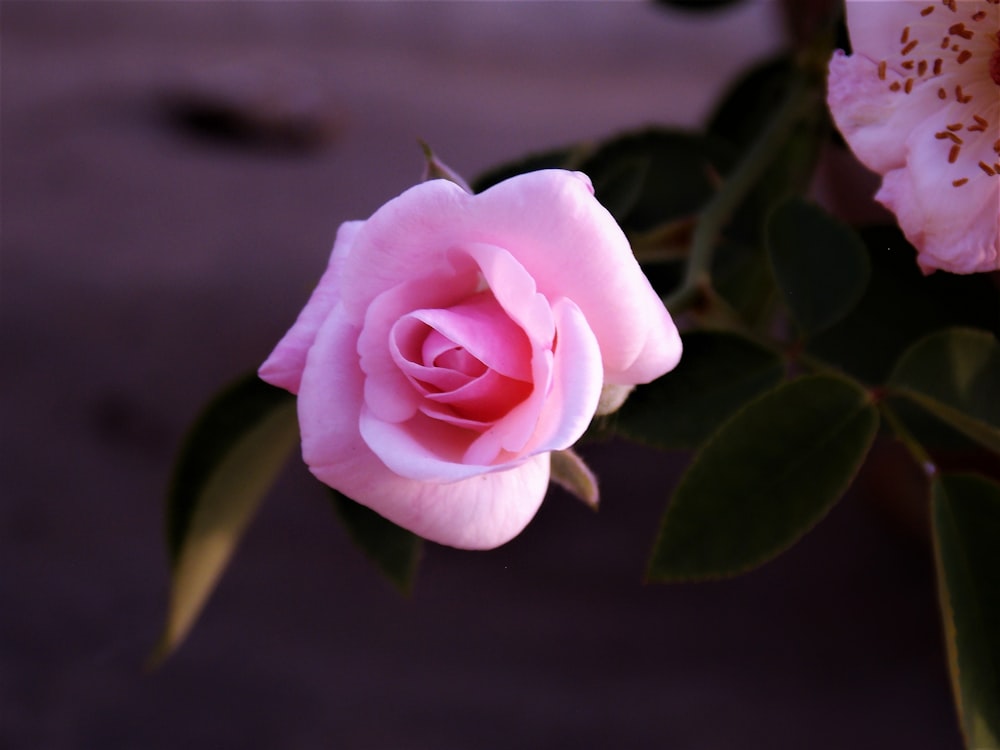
x: 456, y: 340
x: 918, y: 102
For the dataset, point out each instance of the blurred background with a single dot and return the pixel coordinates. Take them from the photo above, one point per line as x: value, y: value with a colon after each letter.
x: 172, y: 177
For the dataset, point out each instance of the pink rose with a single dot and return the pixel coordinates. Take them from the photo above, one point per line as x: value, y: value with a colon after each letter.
x: 456, y: 339
x: 919, y: 103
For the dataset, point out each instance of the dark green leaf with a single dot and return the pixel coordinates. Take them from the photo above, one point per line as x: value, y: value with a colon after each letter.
x: 718, y: 373
x: 901, y: 306
x: 740, y: 269
x: 765, y: 478
x: 955, y: 375
x: 820, y: 265
x: 232, y: 457
x: 966, y: 515
x: 749, y: 102
x: 741, y: 276
x: 395, y: 551
x: 742, y: 116
x: 656, y: 175
x: 216, y: 433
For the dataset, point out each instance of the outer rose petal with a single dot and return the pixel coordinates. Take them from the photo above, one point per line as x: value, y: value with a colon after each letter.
x: 283, y: 368
x: 480, y: 512
x: 573, y: 248
x: 551, y: 223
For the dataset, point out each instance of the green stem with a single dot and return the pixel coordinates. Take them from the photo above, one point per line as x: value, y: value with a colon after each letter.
x: 916, y: 450
x: 738, y: 184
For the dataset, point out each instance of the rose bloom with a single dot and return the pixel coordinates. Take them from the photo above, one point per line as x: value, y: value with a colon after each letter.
x: 919, y: 102
x: 455, y: 340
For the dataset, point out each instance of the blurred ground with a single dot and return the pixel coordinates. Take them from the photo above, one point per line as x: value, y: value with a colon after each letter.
x: 142, y: 268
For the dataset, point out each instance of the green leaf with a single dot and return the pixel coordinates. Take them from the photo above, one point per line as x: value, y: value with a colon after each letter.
x: 765, y: 478
x: 749, y: 102
x: 394, y: 550
x: 740, y: 270
x: 966, y: 522
x: 901, y: 306
x: 821, y: 265
x: 742, y: 116
x: 231, y: 458
x: 955, y: 375
x: 718, y: 373
x: 650, y: 177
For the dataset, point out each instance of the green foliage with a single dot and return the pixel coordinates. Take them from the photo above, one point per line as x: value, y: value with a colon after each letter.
x: 901, y: 306
x: 765, y: 478
x: 743, y: 115
x: 230, y: 459
x: 744, y: 109
x: 966, y: 523
x: 746, y: 118
x: 955, y: 375
x: 650, y: 177
x: 644, y: 178
x: 820, y: 265
x: 395, y: 551
x: 718, y: 373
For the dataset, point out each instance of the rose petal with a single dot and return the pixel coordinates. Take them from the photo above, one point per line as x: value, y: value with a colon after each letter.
x: 481, y: 327
x: 576, y: 382
x: 551, y: 223
x: 283, y: 368
x: 572, y: 247
x: 421, y: 447
x: 388, y: 391
x: 478, y: 513
x: 564, y: 401
x: 515, y: 291
x: 485, y: 399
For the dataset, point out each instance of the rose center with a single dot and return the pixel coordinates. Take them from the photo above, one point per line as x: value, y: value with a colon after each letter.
x: 459, y: 360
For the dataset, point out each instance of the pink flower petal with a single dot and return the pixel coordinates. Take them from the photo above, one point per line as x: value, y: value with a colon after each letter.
x: 918, y: 103
x: 487, y: 398
x: 481, y: 512
x: 567, y: 390
x: 515, y: 291
x: 550, y: 222
x: 420, y: 448
x: 388, y: 391
x: 572, y: 247
x: 283, y: 368
x: 481, y: 327
x: 576, y: 382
